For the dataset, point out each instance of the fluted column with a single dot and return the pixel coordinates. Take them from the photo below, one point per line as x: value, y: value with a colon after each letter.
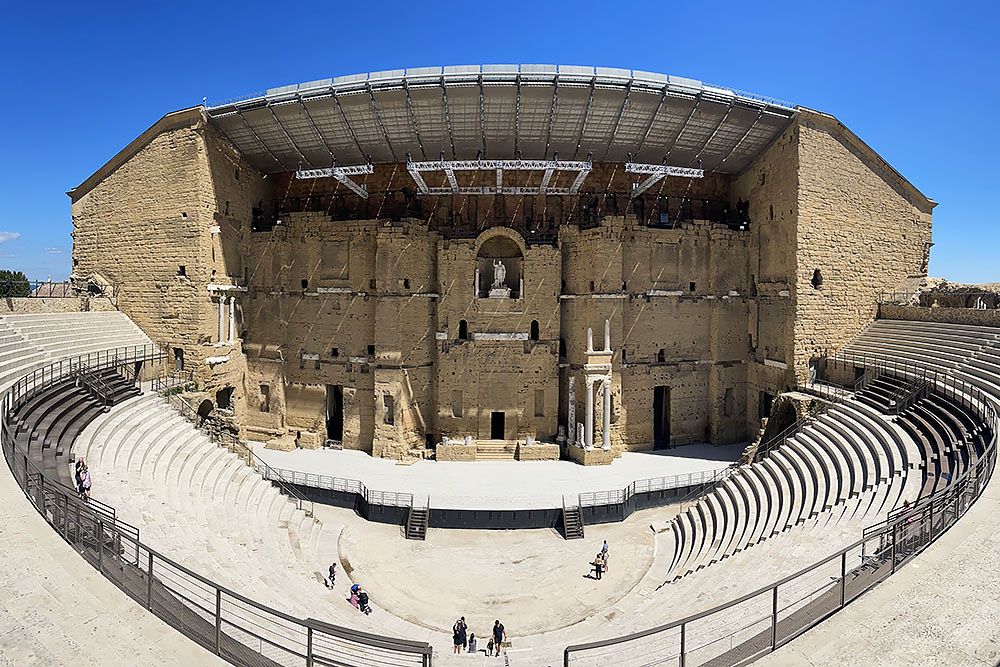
x: 222, y: 315
x: 588, y: 425
x: 232, y: 319
x: 606, y: 441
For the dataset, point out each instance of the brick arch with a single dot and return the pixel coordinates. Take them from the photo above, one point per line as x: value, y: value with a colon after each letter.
x: 501, y: 232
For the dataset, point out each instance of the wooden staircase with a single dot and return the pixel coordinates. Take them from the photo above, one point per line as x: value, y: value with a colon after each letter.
x: 572, y: 518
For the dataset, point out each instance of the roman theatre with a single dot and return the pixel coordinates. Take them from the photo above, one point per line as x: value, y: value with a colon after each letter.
x: 450, y: 329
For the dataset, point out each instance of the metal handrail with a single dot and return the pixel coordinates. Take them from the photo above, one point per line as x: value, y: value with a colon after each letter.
x: 648, y: 485
x: 899, y: 538
x: 181, y: 597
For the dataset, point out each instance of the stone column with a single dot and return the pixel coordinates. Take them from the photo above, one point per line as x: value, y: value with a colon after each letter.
x: 232, y: 319
x: 476, y: 286
x: 588, y: 424
x: 590, y: 341
x: 571, y: 412
x: 222, y: 315
x: 606, y: 443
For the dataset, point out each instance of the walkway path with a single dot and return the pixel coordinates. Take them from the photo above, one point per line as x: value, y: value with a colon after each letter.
x: 941, y: 608
x: 501, y: 485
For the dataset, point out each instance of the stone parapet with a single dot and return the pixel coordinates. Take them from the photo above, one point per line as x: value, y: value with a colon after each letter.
x: 591, y: 457
x: 988, y: 318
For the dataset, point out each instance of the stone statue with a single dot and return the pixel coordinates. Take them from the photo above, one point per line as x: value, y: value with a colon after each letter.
x: 499, y: 274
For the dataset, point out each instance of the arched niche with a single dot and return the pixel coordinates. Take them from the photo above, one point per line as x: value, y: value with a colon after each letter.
x: 499, y: 263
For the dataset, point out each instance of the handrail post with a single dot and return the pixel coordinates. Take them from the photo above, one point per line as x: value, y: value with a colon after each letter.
x: 309, y: 647
x: 100, y: 546
x: 683, y: 648
x: 774, y: 618
x: 843, y: 578
x: 218, y: 621
x: 149, y: 583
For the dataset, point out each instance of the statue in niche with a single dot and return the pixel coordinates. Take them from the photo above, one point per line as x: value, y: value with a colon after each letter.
x: 499, y: 274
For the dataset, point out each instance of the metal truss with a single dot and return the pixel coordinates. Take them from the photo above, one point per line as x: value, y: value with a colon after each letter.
x: 342, y: 174
x: 657, y: 172
x: 548, y: 167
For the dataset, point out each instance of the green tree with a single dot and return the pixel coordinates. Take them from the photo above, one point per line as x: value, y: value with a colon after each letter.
x: 14, y: 283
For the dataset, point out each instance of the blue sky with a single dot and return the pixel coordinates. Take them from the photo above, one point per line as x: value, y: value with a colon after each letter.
x: 919, y: 82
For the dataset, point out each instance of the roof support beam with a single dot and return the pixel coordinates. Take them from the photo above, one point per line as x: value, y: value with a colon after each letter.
x: 417, y: 177
x: 552, y: 115
x: 499, y: 178
x: 549, y: 167
x: 741, y: 140
x: 680, y: 132
x: 413, y: 119
x: 288, y: 137
x: 517, y: 117
x: 618, y: 120
x: 315, y: 127
x: 586, y: 117
x: 261, y: 141
x: 347, y: 124
x: 447, y: 118
x: 652, y: 119
x: 715, y: 131
x: 482, y: 114
x: 342, y: 174
x: 657, y: 172
x: 378, y: 120
x: 546, y: 177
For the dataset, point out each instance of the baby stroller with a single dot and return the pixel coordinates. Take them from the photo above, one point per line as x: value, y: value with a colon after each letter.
x: 363, y: 602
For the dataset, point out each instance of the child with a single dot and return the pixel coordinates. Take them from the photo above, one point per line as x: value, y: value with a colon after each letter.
x: 472, y: 643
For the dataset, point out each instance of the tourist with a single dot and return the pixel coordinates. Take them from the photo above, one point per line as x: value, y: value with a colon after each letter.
x: 463, y: 628
x: 355, y: 602
x: 333, y: 575
x: 472, y: 643
x: 598, y: 565
x: 456, y: 638
x: 604, y: 555
x: 79, y: 476
x: 85, y: 483
x: 489, y: 647
x: 498, y: 636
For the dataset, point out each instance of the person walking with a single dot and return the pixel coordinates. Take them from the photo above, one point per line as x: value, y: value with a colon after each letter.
x: 456, y: 639
x: 363, y: 601
x: 85, y: 483
x: 463, y: 628
x: 78, y: 476
x: 598, y: 565
x: 499, y: 635
x: 604, y: 555
x: 333, y: 575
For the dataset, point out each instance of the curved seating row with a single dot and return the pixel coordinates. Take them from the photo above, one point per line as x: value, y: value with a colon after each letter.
x: 30, y: 341
x: 849, y: 464
x: 49, y: 419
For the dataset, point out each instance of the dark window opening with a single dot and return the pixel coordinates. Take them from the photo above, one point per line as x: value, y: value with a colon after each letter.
x: 224, y: 398
x: 771, y: 211
x: 661, y: 417
x: 817, y: 279
x: 390, y: 409
x: 534, y: 330
x: 265, y: 398
x: 226, y: 208
x: 591, y: 285
x: 463, y: 330
x: 181, y: 270
x: 178, y: 359
x: 305, y: 284
x: 497, y: 425
x: 692, y: 286
x: 334, y: 352
x: 334, y: 412
x: 371, y: 349
x: 406, y: 283
x: 661, y: 356
x: 371, y: 284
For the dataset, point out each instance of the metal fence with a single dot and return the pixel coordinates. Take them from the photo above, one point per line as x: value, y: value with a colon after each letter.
x: 36, y: 288
x: 741, y: 630
x: 238, y: 629
x: 650, y: 485
x: 338, y: 484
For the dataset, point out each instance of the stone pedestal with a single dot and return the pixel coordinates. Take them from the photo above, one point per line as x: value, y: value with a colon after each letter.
x: 538, y: 451
x: 591, y: 457
x: 499, y: 293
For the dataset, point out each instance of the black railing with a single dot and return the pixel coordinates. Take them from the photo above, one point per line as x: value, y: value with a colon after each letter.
x: 238, y: 629
x: 741, y: 630
x: 36, y: 288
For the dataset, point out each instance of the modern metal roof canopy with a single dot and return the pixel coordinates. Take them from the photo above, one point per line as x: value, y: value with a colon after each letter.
x: 527, y: 112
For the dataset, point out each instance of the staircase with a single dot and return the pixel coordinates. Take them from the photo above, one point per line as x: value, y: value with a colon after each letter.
x: 416, y: 522
x: 495, y: 450
x: 572, y: 519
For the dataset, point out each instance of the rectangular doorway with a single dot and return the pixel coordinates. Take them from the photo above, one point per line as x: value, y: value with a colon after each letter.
x: 335, y: 412
x: 661, y: 417
x: 496, y: 425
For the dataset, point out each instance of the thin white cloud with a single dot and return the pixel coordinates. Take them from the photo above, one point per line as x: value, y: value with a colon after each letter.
x: 54, y: 251
x: 9, y: 236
